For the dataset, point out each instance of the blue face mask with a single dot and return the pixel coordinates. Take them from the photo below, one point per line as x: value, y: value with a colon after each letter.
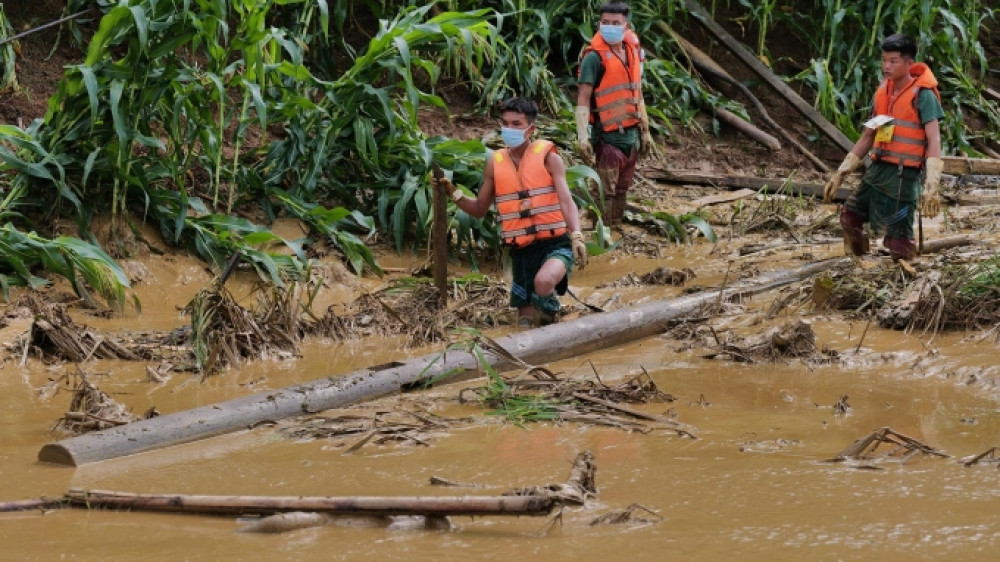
x: 513, y: 138
x: 612, y: 34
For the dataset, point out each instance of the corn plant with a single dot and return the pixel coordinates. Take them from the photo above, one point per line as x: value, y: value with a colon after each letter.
x: 8, y: 53
x: 173, y: 110
x: 844, y: 39
x: 84, y: 265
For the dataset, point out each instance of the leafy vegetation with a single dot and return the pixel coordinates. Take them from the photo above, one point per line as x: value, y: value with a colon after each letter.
x: 845, y: 67
x: 186, y: 113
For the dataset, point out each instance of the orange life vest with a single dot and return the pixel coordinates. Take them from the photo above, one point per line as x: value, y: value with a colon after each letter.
x: 526, y: 198
x: 909, y: 141
x: 616, y: 98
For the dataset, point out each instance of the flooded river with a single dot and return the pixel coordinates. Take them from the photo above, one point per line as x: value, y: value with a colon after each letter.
x: 754, y: 485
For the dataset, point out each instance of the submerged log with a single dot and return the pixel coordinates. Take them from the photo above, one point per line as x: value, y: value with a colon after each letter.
x: 269, y: 505
x: 551, y: 343
x: 284, y: 522
x: 30, y: 505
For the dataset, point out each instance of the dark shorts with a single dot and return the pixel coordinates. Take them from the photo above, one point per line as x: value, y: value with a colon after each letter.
x: 525, y: 263
x: 887, y: 203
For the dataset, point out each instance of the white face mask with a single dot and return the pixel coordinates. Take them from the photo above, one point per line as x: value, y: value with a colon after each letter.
x: 612, y: 34
x: 512, y: 137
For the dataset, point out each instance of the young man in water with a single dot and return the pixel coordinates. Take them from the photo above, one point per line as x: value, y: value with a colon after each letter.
x: 539, y: 221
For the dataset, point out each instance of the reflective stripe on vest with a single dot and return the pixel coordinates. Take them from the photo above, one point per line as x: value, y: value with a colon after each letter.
x: 527, y: 203
x: 617, y: 97
x: 908, y: 146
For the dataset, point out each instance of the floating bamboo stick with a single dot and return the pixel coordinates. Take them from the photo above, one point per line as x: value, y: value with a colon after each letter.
x: 268, y: 505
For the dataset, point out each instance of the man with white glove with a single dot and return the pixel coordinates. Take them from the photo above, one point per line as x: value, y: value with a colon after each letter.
x: 851, y: 163
x: 930, y: 204
x: 539, y: 221
x: 612, y: 126
x: 904, y: 138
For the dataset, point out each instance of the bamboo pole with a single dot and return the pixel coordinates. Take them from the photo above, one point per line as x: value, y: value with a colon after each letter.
x: 30, y: 505
x: 268, y: 505
x: 439, y: 240
x: 551, y: 343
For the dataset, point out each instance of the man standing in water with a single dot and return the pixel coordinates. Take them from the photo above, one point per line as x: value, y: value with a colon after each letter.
x: 539, y: 221
x: 612, y: 127
x: 905, y: 140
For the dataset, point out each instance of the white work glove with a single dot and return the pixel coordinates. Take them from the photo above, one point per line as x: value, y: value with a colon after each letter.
x: 646, y: 141
x: 579, y: 248
x: 583, y: 145
x: 446, y: 188
x: 930, y: 204
x: 849, y: 164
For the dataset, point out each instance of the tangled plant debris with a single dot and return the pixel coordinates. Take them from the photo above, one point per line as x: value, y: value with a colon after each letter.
x: 885, y: 445
x: 92, y: 409
x: 987, y: 457
x: 794, y: 340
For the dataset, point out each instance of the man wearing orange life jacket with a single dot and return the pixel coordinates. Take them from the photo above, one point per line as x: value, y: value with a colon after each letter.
x: 611, y: 123
x: 539, y: 221
x: 905, y: 142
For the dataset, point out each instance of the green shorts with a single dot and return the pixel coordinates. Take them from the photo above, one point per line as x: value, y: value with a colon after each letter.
x: 886, y: 201
x: 525, y: 263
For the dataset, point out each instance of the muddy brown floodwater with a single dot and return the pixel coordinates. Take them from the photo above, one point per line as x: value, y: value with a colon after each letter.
x: 754, y: 485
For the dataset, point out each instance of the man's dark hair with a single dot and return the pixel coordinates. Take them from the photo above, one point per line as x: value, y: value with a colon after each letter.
x: 615, y: 8
x: 899, y: 43
x: 521, y: 105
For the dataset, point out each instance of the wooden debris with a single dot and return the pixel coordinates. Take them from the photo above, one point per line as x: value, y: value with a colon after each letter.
x: 268, y: 505
x: 764, y: 185
x: 411, y: 306
x: 42, y: 504
x: 439, y: 481
x: 627, y: 516
x: 578, y: 488
x: 723, y: 198
x: 55, y: 334
x: 439, y: 239
x: 990, y: 456
x: 224, y: 333
x: 659, y: 276
x: 842, y: 408
x: 793, y: 340
x: 92, y: 409
x: 900, y: 449
x: 357, y: 430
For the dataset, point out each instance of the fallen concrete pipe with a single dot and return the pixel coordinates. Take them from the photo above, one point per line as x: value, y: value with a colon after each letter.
x: 551, y: 343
